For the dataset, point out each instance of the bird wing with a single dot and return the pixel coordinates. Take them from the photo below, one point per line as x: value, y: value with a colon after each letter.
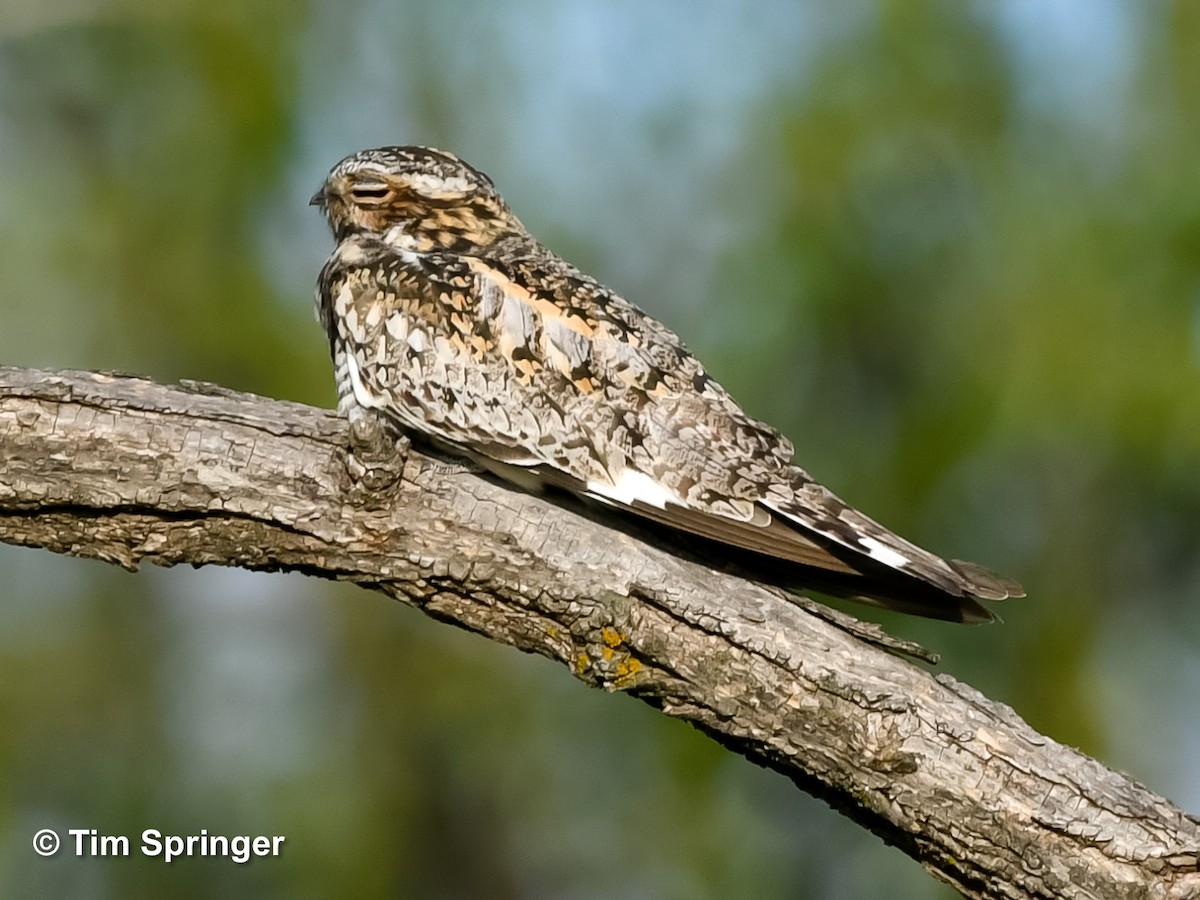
x: 542, y: 374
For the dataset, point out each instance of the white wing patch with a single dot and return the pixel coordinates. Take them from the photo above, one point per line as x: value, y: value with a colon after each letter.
x: 632, y: 485
x: 880, y: 552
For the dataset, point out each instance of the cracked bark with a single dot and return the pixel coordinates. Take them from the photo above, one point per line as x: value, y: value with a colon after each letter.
x: 122, y: 469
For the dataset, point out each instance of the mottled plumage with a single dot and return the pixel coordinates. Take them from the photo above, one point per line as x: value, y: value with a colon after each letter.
x: 449, y: 319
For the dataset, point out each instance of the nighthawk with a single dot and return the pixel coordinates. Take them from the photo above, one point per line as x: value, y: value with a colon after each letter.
x: 449, y: 320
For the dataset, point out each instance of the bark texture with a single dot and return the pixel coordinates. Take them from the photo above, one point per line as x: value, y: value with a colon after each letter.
x: 125, y: 470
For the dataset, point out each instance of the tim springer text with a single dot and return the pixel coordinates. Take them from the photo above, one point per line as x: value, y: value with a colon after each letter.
x: 239, y: 848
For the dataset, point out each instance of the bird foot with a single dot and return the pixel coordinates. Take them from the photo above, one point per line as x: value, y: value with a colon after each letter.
x: 377, y: 454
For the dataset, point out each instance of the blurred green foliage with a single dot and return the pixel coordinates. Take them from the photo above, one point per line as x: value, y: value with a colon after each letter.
x: 950, y: 249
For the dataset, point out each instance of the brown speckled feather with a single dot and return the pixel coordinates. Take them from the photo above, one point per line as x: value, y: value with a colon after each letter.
x: 447, y: 317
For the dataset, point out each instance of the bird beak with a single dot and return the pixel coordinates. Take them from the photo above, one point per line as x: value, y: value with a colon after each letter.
x: 318, y: 199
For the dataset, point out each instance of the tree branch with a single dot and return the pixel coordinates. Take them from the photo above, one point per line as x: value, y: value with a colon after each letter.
x: 125, y: 470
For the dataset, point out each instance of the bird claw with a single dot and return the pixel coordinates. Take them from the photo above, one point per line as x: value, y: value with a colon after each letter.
x: 377, y: 454
x: 447, y: 466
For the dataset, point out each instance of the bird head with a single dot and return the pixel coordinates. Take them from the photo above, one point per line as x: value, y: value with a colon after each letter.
x: 417, y: 199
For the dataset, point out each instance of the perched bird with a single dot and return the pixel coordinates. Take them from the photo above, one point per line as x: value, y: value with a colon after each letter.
x: 447, y: 318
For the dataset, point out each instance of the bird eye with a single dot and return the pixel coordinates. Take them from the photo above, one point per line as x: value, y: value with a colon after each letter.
x: 370, y: 191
